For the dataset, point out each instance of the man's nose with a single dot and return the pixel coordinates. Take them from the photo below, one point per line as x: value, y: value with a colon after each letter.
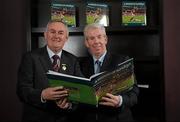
x: 56, y: 34
x: 96, y: 40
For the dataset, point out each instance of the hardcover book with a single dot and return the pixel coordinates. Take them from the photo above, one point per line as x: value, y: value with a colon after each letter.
x: 134, y: 13
x: 97, y: 13
x: 65, y: 13
x: 91, y: 90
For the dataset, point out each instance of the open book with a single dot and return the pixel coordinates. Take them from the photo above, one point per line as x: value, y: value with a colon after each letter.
x: 91, y: 90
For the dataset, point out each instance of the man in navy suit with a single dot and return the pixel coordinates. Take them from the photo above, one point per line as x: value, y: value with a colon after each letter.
x: 42, y: 103
x: 112, y: 108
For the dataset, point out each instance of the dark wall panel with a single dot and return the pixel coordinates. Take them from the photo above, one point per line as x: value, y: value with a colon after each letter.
x: 12, y: 46
x: 172, y: 59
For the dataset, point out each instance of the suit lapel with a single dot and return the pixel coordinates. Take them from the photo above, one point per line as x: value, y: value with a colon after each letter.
x: 45, y: 60
x: 90, y: 65
x: 106, y: 63
x: 63, y: 63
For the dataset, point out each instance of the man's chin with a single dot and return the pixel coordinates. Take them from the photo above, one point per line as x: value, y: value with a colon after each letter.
x: 98, y: 53
x: 57, y: 49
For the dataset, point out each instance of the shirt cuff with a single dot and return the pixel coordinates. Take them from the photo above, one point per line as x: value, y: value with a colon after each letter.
x: 42, y: 100
x: 120, y: 101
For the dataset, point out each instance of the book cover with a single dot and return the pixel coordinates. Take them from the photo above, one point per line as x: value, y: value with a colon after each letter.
x: 134, y: 13
x: 65, y: 13
x: 91, y: 90
x: 97, y: 13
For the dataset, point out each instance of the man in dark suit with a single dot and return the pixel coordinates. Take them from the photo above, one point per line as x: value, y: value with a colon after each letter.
x: 42, y: 103
x: 112, y: 108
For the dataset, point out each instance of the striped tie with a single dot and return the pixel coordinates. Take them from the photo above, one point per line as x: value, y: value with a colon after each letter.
x: 98, y: 64
x: 55, y: 65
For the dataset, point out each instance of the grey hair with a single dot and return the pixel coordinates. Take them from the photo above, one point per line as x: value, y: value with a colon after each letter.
x: 54, y: 21
x: 94, y: 26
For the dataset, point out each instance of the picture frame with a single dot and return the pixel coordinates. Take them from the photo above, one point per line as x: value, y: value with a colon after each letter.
x: 97, y: 13
x: 65, y: 13
x: 134, y: 13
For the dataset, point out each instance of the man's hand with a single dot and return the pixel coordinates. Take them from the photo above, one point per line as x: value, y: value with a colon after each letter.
x: 63, y: 103
x: 54, y: 93
x: 110, y: 100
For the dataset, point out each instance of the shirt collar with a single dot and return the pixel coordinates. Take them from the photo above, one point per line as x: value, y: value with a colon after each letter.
x: 101, y: 59
x: 51, y: 53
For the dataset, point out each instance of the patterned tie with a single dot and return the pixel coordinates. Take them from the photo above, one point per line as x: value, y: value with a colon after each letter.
x: 98, y: 64
x: 55, y: 65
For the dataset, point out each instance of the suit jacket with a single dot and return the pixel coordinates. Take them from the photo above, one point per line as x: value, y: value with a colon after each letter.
x: 32, y: 80
x: 103, y: 113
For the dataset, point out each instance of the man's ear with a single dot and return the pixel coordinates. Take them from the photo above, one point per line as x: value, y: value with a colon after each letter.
x: 45, y: 35
x: 67, y: 36
x: 86, y: 43
x: 106, y: 39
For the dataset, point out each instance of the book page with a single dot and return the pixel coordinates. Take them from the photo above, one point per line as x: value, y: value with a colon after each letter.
x: 96, y: 75
x: 65, y: 75
x: 79, y: 89
x: 119, y: 80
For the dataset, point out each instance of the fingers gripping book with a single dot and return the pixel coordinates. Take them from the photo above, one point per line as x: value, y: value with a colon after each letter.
x: 90, y: 91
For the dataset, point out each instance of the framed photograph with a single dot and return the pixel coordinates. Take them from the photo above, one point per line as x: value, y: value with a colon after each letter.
x: 65, y: 13
x: 97, y: 13
x: 134, y: 13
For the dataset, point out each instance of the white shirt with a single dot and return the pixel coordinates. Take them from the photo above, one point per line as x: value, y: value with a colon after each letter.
x: 51, y: 54
x: 101, y: 59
